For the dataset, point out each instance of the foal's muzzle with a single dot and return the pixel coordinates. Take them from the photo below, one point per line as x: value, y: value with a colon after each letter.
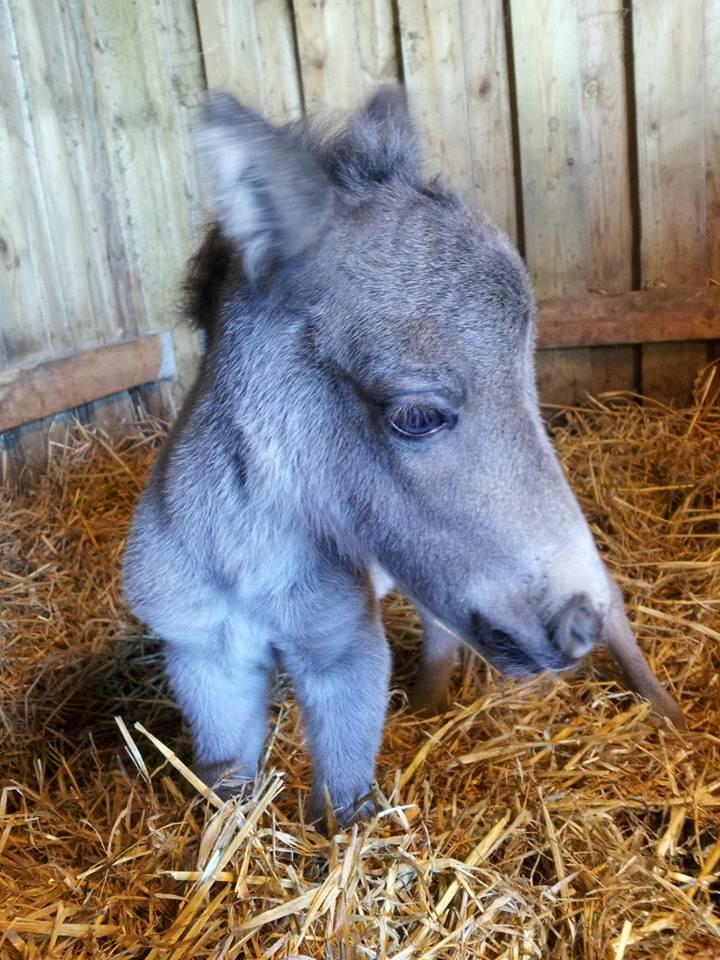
x: 558, y: 645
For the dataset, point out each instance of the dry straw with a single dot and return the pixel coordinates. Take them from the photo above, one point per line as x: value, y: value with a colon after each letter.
x: 555, y: 818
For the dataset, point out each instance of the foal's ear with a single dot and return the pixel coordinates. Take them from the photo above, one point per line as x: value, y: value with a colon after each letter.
x: 379, y: 144
x: 389, y: 105
x: 270, y: 196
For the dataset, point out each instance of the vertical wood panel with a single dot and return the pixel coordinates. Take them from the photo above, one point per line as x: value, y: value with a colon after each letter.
x: 99, y: 186
x: 572, y: 125
x: 604, y: 120
x: 456, y: 72
x: 346, y: 48
x: 669, y: 80
x: 99, y: 192
x: 249, y: 49
x: 712, y: 152
x: 712, y: 136
x: 73, y: 191
x: 547, y: 79
x: 33, y: 306
x: 149, y: 84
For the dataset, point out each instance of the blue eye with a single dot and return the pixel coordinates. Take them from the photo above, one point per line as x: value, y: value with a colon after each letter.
x: 416, y: 422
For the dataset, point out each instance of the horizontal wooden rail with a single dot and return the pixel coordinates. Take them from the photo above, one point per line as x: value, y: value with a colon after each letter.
x: 48, y: 388
x: 646, y: 316
x: 657, y: 316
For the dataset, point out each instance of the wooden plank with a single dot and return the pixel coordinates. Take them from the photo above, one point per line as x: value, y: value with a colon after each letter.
x: 91, y: 243
x: 98, y: 98
x: 547, y: 79
x: 604, y: 126
x: 668, y: 42
x: 641, y: 317
x: 456, y: 73
x: 70, y: 185
x: 147, y: 73
x: 346, y: 48
x: 712, y: 136
x: 57, y: 385
x: 61, y: 112
x: 712, y: 150
x: 572, y: 129
x: 30, y: 284
x: 249, y: 49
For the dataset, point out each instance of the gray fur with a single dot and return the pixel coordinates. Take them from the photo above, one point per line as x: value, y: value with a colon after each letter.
x: 346, y: 286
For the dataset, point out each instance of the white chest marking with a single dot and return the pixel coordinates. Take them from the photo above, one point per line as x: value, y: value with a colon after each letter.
x: 381, y: 580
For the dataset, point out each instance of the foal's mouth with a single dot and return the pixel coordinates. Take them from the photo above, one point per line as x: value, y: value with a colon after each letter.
x: 511, y: 658
x: 508, y: 656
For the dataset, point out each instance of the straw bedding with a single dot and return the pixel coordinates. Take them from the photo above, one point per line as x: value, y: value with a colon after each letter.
x: 553, y: 818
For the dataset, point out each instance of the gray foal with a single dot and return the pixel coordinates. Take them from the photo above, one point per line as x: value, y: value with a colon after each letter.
x: 365, y: 415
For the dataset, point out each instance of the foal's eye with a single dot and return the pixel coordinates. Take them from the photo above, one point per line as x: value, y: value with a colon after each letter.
x: 416, y: 422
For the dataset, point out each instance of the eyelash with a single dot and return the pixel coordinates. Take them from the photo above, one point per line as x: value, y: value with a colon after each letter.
x: 420, y: 422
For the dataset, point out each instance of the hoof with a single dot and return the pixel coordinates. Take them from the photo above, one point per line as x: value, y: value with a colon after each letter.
x: 428, y: 703
x: 342, y: 815
x: 225, y: 781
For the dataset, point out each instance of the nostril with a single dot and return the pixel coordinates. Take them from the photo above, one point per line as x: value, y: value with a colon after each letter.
x: 577, y: 628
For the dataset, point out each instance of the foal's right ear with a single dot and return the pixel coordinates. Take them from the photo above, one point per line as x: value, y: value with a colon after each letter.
x: 270, y: 196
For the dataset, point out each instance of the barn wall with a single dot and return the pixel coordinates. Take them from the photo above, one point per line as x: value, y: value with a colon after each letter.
x: 589, y: 129
x: 98, y: 189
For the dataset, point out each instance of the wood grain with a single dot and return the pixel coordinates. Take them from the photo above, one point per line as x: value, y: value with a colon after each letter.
x: 456, y: 72
x: 712, y: 136
x: 68, y: 185
x: 101, y: 201
x: 346, y: 48
x: 669, y: 79
x: 547, y: 78
x: 44, y: 288
x: 632, y: 318
x: 572, y: 129
x: 99, y: 196
x: 249, y: 49
x: 29, y: 394
x: 146, y: 70
x: 604, y: 130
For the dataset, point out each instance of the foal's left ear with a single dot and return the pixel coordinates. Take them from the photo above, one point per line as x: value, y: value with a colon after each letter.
x: 270, y: 195
x: 379, y: 144
x: 389, y: 105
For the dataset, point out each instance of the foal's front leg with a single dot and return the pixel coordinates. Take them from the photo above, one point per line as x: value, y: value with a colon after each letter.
x: 341, y: 677
x: 221, y: 682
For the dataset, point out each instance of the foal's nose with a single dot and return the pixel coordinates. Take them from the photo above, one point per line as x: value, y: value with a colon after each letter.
x: 577, y: 627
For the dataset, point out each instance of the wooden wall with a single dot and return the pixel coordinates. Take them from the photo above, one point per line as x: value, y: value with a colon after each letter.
x: 589, y: 129
x: 98, y: 187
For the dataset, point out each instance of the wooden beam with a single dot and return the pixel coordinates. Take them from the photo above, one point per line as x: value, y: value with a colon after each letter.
x: 34, y: 392
x: 642, y: 317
